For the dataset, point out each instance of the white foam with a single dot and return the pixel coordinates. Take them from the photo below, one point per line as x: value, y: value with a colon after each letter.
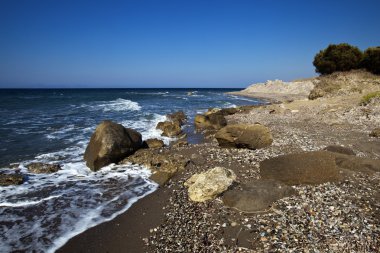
x: 26, y: 203
x: 85, y: 199
x: 147, y: 127
x: 120, y: 104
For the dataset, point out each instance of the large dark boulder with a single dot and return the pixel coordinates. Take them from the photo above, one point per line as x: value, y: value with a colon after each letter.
x: 256, y: 195
x: 251, y: 136
x: 110, y: 143
x: 305, y: 168
x: 42, y: 168
x: 11, y: 179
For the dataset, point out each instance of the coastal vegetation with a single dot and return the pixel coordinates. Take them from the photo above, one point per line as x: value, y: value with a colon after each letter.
x: 345, y: 57
x: 369, y: 97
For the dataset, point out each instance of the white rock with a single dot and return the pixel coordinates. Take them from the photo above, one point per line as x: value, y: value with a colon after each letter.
x: 209, y: 184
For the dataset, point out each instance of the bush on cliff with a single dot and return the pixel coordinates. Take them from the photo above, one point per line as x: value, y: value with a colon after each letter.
x: 341, y: 57
x: 371, y: 60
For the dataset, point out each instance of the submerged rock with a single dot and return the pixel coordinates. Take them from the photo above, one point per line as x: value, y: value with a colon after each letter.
x: 11, y: 179
x: 110, y: 143
x: 305, y: 168
x: 244, y: 136
x: 209, y: 184
x: 40, y: 168
x: 256, y: 195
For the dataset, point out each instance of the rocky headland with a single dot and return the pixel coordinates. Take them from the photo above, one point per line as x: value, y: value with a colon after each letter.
x: 299, y: 175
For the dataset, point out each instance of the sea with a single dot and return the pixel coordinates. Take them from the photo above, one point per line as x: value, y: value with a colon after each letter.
x: 54, y: 126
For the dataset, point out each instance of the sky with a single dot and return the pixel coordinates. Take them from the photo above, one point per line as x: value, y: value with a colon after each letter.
x: 177, y: 44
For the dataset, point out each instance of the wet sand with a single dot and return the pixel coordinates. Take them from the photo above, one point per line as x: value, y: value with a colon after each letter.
x: 125, y: 233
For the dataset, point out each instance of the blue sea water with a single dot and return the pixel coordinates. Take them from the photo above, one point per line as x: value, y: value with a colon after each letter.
x: 54, y: 126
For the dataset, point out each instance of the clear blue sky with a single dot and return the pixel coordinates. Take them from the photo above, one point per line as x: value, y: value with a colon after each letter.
x: 173, y: 43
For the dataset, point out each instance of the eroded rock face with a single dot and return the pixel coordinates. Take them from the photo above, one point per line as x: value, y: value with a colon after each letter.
x: 110, y: 143
x: 305, y: 168
x: 11, y: 179
x: 253, y: 136
x: 209, y: 184
x: 41, y: 168
x: 256, y: 195
x: 163, y: 165
x: 153, y: 143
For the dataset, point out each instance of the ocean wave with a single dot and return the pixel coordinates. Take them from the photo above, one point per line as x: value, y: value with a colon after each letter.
x: 68, y: 203
x: 120, y: 104
x: 147, y: 127
x: 26, y: 203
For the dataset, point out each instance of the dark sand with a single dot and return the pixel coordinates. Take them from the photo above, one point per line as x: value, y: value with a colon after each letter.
x: 125, y: 233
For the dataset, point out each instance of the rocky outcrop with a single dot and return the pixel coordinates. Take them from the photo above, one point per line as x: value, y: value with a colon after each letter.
x: 11, y: 179
x: 43, y: 168
x: 256, y: 195
x: 169, y: 128
x: 214, y: 118
x: 252, y: 136
x: 110, y: 143
x: 305, y: 168
x: 172, y: 127
x: 153, y: 143
x: 179, y: 116
x: 375, y: 133
x: 209, y: 184
x: 339, y: 149
x: 163, y: 165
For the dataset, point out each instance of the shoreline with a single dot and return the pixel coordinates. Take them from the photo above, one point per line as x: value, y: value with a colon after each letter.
x: 306, y: 126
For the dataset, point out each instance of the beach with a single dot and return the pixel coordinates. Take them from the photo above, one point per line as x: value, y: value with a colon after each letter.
x: 339, y: 215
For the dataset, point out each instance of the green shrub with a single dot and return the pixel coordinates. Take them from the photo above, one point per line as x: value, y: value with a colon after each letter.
x: 367, y: 98
x: 341, y: 57
x: 371, y: 60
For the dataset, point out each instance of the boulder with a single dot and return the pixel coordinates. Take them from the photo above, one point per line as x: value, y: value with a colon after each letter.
x: 305, y: 168
x: 256, y: 195
x: 375, y: 132
x: 11, y: 179
x: 251, y: 136
x: 209, y: 184
x: 357, y: 164
x: 212, y: 121
x: 163, y: 165
x: 339, y: 149
x: 110, y: 143
x: 153, y: 143
x: 42, y: 168
x: 169, y: 128
x: 179, y: 116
